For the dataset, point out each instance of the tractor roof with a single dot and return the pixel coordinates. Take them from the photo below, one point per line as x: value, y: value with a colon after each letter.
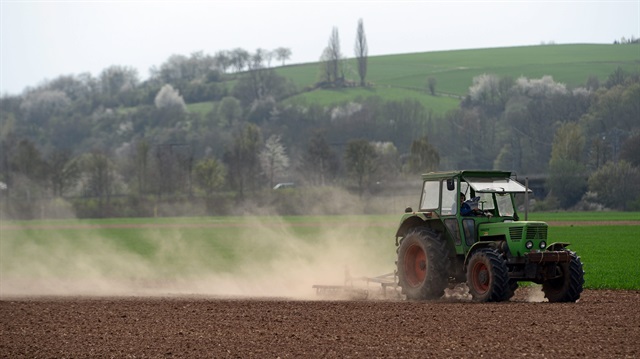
x: 469, y: 173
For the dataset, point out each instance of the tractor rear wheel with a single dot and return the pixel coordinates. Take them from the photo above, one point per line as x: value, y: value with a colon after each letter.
x: 567, y: 285
x: 488, y: 276
x: 423, y: 264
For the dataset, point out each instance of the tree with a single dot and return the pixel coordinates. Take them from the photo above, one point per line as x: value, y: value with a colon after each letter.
x: 567, y: 181
x: 423, y: 157
x: 229, y: 110
x: 209, y: 175
x: 239, y: 58
x: 173, y: 168
x: 631, y: 150
x: 167, y: 97
x: 273, y: 159
x: 320, y: 162
x: 331, y: 60
x: 142, y: 165
x: 99, y: 173
x: 116, y: 81
x: 362, y: 52
x: 242, y: 159
x: 27, y: 160
x: 431, y: 85
x: 40, y: 106
x: 486, y: 90
x: 64, y: 171
x: 260, y: 84
x: 567, y: 178
x: 618, y: 77
x: 568, y: 143
x: 616, y: 184
x: 222, y: 60
x: 360, y: 160
x: 282, y: 54
x: 387, y: 161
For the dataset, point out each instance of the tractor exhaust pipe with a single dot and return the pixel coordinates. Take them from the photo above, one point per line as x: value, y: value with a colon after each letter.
x: 526, y: 198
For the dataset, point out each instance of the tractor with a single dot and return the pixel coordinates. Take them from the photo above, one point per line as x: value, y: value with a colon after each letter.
x: 466, y: 230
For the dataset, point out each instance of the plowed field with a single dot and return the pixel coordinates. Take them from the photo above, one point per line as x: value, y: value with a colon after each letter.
x: 603, y: 324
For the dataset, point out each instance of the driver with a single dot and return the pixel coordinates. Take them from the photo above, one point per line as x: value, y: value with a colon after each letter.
x: 465, y: 208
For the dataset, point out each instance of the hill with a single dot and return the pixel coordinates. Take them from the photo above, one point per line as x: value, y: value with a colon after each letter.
x: 404, y: 76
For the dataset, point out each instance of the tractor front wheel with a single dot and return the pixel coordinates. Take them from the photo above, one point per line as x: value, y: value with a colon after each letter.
x: 422, y: 265
x: 488, y: 276
x: 567, y: 285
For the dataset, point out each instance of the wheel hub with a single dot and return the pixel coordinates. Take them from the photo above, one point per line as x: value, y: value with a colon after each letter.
x: 415, y: 265
x: 481, y: 277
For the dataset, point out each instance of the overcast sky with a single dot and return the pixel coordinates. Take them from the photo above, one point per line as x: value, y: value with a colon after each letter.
x: 41, y: 40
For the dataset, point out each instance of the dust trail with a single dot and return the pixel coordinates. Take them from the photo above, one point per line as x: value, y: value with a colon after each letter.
x: 266, y: 257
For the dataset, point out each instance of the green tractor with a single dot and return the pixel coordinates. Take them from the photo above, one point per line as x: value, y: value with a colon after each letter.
x: 466, y: 229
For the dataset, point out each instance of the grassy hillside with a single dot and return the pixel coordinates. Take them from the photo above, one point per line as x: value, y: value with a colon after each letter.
x: 404, y: 76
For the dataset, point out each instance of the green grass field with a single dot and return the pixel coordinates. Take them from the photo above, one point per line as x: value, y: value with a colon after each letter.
x: 166, y: 248
x: 405, y: 75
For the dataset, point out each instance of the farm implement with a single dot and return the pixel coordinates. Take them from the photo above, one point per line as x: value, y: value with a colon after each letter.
x: 361, y: 288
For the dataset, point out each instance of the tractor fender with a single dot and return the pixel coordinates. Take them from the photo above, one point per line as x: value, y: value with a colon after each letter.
x: 417, y: 220
x: 475, y: 247
x: 557, y: 246
x: 414, y: 220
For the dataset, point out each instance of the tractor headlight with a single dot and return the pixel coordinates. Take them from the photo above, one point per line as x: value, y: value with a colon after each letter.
x: 529, y: 244
x: 543, y: 245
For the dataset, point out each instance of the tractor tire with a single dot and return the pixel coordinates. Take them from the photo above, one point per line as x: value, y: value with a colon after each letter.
x: 423, y: 262
x: 488, y: 277
x: 567, y: 286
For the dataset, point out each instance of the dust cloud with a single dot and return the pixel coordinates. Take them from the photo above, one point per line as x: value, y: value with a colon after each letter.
x: 258, y: 257
x: 535, y: 294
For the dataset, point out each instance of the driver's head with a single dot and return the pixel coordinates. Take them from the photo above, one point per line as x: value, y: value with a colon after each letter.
x: 462, y: 197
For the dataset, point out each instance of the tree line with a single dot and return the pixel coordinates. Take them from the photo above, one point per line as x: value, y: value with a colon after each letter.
x: 115, y: 146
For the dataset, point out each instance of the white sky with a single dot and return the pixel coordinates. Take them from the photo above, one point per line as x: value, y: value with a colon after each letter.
x: 41, y: 40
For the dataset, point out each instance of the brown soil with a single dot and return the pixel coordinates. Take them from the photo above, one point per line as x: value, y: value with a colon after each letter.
x: 603, y: 324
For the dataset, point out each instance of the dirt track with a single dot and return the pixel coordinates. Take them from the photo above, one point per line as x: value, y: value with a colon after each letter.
x: 603, y: 324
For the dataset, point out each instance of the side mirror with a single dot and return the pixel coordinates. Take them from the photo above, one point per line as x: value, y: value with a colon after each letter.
x: 451, y: 184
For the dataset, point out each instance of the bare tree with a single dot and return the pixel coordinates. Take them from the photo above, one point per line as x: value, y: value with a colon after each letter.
x: 333, y: 57
x: 116, y: 79
x: 282, y: 54
x: 222, y: 60
x: 239, y: 58
x: 362, y: 52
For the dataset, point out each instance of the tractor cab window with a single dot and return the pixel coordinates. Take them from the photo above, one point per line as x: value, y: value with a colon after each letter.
x: 430, y: 195
x: 505, y: 205
x: 451, y: 200
x: 486, y: 201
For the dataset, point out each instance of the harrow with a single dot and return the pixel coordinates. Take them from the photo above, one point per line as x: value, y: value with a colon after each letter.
x: 388, y: 287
